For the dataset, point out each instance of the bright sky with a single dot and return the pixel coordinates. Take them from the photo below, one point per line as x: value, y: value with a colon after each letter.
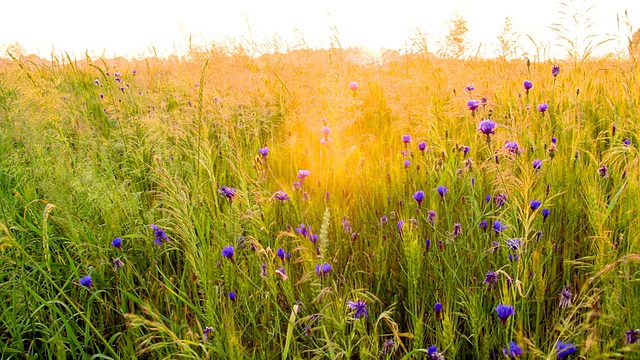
x: 131, y: 27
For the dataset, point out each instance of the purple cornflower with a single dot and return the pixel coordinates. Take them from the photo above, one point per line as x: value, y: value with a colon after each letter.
x: 566, y: 297
x: 483, y: 225
x: 512, y: 147
x: 304, y: 230
x: 632, y: 336
x: 361, y: 309
x: 513, y: 244
x: 537, y: 164
x: 469, y: 88
x: 487, y: 198
x: 543, y: 107
x: 465, y: 151
x: 407, y: 163
x: 603, y: 171
x: 437, y: 308
x: 281, y: 253
x: 353, y: 86
x: 346, y: 224
x: 554, y: 141
x: 388, y: 346
x: 433, y: 354
x: 513, y: 351
x: 227, y: 191
x: 228, y: 252
x: 487, y: 127
x: 626, y: 142
x: 545, y: 213
x: 159, y: 235
x: 419, y: 197
x: 323, y: 269
x: 406, y: 139
x: 498, y: 226
x: 555, y: 70
x: 264, y: 151
x: 117, y: 263
x: 504, y: 312
x: 232, y: 296
x: 134, y: 71
x: 442, y: 191
x: 302, y: 174
x: 534, y: 204
x: 457, y: 230
x: 86, y: 281
x: 399, y: 226
x: 117, y: 243
x: 422, y: 145
x: 384, y: 220
x: 205, y: 333
x: 500, y: 199
x: 527, y: 85
x: 101, y: 96
x: 431, y: 216
x: 281, y: 195
x: 473, y: 104
x: 491, y: 278
x: 564, y: 350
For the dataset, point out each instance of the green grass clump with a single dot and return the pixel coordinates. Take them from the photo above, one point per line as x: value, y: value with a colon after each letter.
x: 93, y: 150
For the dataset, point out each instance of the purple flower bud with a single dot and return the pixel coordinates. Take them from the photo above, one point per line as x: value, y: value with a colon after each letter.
x: 419, y: 197
x: 555, y: 70
x: 406, y: 139
x: 263, y: 151
x: 543, y: 107
x: 232, y: 296
x: 537, y: 164
x: 422, y: 145
x: 353, y: 86
x: 117, y: 243
x: 527, y: 85
x: 228, y: 252
x: 442, y: 191
x: 473, y: 104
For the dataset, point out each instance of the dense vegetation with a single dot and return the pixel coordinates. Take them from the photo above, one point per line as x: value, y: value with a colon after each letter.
x: 178, y: 186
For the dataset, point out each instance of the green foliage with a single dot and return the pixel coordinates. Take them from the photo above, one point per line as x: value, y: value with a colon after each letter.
x: 78, y: 170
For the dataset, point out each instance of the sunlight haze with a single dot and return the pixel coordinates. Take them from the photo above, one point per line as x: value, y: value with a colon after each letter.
x: 133, y: 28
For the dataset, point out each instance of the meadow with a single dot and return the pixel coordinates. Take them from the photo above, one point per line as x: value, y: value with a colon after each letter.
x: 319, y: 204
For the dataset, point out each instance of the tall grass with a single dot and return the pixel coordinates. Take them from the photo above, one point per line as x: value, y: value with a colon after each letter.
x: 87, y: 158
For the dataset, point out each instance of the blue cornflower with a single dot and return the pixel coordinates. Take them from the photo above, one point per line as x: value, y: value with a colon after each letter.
x: 564, y: 350
x: 483, y: 225
x: 487, y: 127
x: 527, y: 85
x: 632, y: 336
x: 419, y: 197
x: 512, y: 147
x: 86, y: 281
x: 361, y: 309
x: 117, y: 243
x: 323, y: 269
x: 228, y: 192
x: 442, y: 191
x: 535, y: 204
x: 504, y: 312
x: 205, y: 333
x: 228, y: 252
x: 399, y: 226
x: 281, y: 195
x: 473, y: 104
x: 422, y: 145
x: 491, y: 278
x: 545, y: 213
x: 537, y: 164
x: 159, y: 235
x: 438, y: 309
x: 406, y: 139
x: 281, y: 253
x: 513, y: 351
x: 264, y: 151
x: 232, y: 296
x: 498, y: 226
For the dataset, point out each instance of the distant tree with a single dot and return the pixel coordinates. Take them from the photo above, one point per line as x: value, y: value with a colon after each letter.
x: 456, y: 43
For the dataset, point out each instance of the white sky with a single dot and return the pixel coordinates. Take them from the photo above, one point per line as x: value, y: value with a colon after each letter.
x: 131, y: 27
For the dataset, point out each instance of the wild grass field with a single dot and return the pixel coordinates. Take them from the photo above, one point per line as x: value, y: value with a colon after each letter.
x: 311, y: 205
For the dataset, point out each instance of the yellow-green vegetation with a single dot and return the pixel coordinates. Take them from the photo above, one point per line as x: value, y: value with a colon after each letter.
x: 160, y: 208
